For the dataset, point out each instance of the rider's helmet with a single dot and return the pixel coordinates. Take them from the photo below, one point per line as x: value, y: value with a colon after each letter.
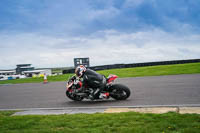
x: 80, y: 70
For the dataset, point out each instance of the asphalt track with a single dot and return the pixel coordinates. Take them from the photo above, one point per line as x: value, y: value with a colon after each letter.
x: 155, y: 90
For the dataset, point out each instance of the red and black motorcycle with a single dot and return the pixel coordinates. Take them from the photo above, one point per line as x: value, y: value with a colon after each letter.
x: 75, y: 91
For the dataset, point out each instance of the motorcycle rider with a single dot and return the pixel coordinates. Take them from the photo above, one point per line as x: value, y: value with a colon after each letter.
x: 93, y: 80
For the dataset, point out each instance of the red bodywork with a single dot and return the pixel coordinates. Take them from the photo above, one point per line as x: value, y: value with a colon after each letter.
x: 69, y: 84
x: 111, y: 78
x: 80, y: 84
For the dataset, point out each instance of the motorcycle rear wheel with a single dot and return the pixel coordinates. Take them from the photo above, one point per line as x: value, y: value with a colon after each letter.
x: 119, y: 92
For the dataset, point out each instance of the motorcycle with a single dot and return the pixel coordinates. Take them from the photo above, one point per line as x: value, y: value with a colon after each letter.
x: 77, y: 92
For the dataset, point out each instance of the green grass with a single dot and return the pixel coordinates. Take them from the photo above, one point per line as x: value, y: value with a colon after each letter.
x: 189, y: 68
x: 36, y: 80
x: 130, y: 122
x: 6, y: 113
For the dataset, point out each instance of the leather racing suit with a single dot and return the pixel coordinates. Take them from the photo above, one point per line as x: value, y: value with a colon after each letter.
x: 94, y: 80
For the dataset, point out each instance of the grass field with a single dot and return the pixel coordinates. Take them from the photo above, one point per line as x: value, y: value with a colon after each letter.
x: 189, y: 68
x: 130, y: 122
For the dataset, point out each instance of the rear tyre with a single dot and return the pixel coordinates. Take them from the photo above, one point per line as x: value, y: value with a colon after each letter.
x: 73, y: 97
x: 119, y: 92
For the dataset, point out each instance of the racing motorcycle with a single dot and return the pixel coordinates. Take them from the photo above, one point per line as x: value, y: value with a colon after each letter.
x: 77, y: 92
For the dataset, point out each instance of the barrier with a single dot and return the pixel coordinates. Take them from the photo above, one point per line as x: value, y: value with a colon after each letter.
x: 114, y: 66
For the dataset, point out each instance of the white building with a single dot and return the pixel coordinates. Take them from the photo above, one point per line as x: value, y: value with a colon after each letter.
x: 37, y: 72
x: 7, y: 72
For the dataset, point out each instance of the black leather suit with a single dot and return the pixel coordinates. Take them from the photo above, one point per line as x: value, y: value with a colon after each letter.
x: 95, y: 81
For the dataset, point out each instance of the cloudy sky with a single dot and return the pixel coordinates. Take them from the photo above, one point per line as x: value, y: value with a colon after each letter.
x: 50, y: 33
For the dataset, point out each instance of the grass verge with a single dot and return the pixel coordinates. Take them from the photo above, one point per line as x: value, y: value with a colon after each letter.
x: 189, y: 68
x: 130, y: 122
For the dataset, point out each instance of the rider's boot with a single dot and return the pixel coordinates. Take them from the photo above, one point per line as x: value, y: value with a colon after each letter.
x: 104, y: 95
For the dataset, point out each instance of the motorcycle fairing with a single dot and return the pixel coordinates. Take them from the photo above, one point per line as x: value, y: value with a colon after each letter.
x: 111, y: 78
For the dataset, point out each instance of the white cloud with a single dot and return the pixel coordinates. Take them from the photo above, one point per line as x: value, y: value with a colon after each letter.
x: 133, y: 3
x: 112, y: 47
x: 103, y: 13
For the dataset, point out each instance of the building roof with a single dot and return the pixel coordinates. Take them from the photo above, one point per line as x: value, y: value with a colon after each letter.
x: 34, y: 71
x: 27, y: 67
x: 8, y: 71
x: 82, y: 58
x: 23, y: 64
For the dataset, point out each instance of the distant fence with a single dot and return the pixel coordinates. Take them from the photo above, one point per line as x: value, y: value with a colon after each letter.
x: 114, y: 66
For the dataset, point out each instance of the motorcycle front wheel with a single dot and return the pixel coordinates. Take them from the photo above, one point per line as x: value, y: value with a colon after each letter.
x: 73, y: 97
x: 119, y: 92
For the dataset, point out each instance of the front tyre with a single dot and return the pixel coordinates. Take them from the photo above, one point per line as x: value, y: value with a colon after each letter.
x: 119, y: 92
x: 73, y: 96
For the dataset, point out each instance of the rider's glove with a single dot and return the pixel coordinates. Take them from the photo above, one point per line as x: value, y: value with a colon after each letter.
x: 73, y: 78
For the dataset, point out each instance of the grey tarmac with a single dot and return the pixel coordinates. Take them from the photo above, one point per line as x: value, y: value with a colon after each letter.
x: 174, y: 90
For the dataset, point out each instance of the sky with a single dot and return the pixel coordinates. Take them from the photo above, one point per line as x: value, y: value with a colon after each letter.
x: 50, y: 33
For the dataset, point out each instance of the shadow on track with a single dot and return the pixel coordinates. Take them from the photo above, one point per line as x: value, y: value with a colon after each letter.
x: 86, y: 103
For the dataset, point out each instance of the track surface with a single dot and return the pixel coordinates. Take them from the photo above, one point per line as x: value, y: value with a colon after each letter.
x: 156, y: 90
